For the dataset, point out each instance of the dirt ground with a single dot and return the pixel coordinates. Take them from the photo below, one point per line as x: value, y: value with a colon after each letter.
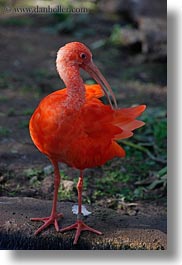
x: 28, y: 73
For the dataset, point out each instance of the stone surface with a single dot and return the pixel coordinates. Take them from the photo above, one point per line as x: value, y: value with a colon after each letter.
x: 120, y: 232
x: 47, y: 185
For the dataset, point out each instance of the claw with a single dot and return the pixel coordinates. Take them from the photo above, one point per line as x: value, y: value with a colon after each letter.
x: 79, y: 226
x: 47, y: 222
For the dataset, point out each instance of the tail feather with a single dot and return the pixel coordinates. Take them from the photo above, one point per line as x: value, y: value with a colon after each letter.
x: 100, y: 121
x: 118, y: 150
x: 125, y: 115
x: 126, y: 120
x: 123, y: 135
x: 133, y: 125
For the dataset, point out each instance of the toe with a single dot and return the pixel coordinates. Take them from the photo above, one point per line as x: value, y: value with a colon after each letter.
x: 56, y: 225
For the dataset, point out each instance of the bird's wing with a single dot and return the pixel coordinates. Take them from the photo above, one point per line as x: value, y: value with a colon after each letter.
x: 103, y: 122
x: 98, y: 120
x: 126, y: 119
x: 93, y: 91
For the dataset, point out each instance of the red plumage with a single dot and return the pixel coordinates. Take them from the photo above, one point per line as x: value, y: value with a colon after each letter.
x: 85, y: 138
x: 73, y: 126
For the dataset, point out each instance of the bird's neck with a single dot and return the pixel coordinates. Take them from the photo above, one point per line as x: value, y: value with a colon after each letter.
x: 75, y: 86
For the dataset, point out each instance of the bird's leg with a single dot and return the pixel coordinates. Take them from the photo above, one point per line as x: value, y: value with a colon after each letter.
x: 53, y: 218
x: 79, y: 225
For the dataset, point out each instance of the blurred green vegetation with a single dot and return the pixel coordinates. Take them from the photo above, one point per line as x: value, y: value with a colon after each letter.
x: 4, y: 131
x: 19, y: 21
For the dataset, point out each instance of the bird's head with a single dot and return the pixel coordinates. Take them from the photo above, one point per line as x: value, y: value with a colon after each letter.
x: 78, y: 55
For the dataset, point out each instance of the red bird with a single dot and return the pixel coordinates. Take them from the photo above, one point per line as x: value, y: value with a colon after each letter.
x: 73, y: 126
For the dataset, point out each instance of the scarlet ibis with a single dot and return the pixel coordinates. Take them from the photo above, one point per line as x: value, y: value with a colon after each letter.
x: 74, y: 126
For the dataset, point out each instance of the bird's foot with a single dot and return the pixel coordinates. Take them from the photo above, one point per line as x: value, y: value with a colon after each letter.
x: 79, y: 226
x: 53, y: 219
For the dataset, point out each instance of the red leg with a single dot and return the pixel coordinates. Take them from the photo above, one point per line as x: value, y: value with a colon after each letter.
x: 79, y: 225
x: 53, y: 218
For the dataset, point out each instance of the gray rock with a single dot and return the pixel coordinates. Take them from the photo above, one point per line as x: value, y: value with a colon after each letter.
x: 155, y: 34
x: 151, y: 34
x: 48, y: 170
x: 67, y: 185
x: 47, y: 185
x: 117, y: 6
x: 119, y: 232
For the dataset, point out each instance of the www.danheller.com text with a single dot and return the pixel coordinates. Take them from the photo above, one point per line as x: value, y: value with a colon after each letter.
x: 47, y: 9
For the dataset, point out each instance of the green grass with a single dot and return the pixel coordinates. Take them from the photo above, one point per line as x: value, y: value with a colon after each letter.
x: 4, y: 132
x: 27, y: 111
x: 152, y: 72
x: 4, y: 81
x: 23, y: 124
x: 34, y: 175
x: 31, y: 172
x: 17, y: 21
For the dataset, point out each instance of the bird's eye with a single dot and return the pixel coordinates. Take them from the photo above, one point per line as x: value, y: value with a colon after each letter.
x: 83, y: 55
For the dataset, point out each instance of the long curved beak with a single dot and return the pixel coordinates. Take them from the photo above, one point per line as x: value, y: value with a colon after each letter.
x: 94, y: 72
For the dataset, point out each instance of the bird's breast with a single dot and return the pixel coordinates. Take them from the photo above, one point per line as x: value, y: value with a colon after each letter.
x: 80, y: 138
